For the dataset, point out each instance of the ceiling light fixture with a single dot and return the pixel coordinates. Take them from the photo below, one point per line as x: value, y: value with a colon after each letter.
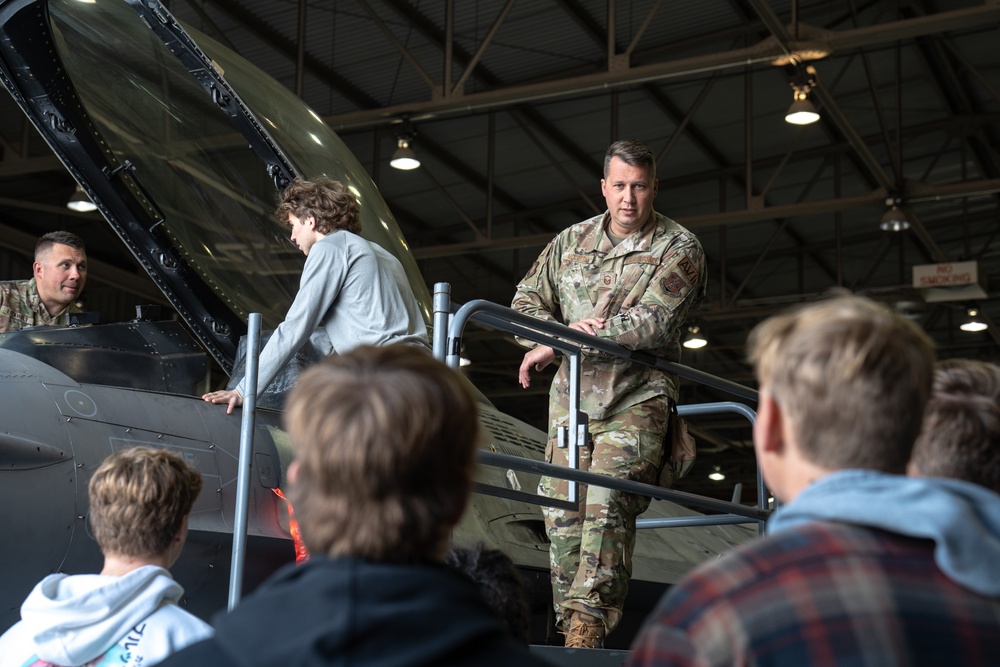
x: 694, y: 339
x: 975, y: 322
x: 404, y: 158
x: 716, y: 474
x: 802, y: 111
x: 80, y: 202
x: 894, y: 218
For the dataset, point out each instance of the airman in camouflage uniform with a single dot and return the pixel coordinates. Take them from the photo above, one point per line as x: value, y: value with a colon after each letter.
x: 636, y: 292
x: 60, y: 270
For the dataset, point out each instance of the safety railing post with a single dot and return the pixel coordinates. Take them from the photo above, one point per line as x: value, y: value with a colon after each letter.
x: 246, y: 451
x: 576, y: 439
x: 442, y: 311
x: 571, y: 342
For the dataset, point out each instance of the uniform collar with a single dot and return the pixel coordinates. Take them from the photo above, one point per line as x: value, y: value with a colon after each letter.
x: 640, y: 241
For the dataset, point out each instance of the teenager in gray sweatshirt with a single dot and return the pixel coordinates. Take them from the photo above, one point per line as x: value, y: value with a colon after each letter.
x: 356, y: 290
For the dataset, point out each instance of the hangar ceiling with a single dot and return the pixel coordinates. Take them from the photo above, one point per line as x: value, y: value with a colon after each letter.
x: 514, y: 102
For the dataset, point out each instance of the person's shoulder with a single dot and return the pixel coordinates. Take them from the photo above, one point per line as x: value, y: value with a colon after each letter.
x: 572, y: 235
x: 20, y: 287
x: 672, y: 231
x: 802, y: 553
x: 172, y: 616
x: 332, y: 248
x: 584, y: 226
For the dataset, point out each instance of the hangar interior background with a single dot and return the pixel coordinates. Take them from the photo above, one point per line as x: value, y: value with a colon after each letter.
x: 510, y: 105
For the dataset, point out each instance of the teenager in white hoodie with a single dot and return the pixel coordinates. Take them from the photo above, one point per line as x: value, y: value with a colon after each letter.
x: 127, y: 615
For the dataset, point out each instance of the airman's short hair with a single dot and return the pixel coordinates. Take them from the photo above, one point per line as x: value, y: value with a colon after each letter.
x: 851, y: 376
x: 385, y: 439
x: 329, y: 202
x: 631, y: 152
x: 138, y: 500
x: 46, y: 241
x: 961, y: 432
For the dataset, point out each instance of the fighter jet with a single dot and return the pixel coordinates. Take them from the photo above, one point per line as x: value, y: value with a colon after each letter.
x: 183, y: 146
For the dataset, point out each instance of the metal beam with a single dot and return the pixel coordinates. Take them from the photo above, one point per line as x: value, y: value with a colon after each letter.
x: 873, y: 200
x: 377, y: 20
x: 763, y: 53
x: 471, y: 66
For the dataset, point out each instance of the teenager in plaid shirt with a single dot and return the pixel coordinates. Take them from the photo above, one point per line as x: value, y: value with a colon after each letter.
x: 861, y: 566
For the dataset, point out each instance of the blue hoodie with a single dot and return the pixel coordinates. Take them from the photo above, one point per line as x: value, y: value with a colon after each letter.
x: 962, y: 518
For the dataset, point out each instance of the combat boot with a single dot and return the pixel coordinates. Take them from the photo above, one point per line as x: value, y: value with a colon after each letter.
x: 585, y: 631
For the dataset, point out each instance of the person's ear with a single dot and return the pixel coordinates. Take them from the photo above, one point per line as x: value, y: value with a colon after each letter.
x: 36, y: 270
x: 769, y: 428
x: 310, y: 221
x: 292, y: 474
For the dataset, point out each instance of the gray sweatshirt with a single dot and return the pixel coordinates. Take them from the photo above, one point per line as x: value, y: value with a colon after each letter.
x: 357, y: 291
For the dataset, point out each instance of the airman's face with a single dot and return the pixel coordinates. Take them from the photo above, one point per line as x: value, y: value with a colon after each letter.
x: 60, y: 273
x: 629, y: 192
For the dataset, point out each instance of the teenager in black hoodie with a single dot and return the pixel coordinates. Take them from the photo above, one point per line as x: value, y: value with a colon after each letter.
x: 384, y: 442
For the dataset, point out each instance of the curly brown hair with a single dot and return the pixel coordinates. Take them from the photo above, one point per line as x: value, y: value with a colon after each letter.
x: 329, y: 202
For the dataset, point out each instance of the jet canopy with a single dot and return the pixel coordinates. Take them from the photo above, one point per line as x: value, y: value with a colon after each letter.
x: 184, y: 146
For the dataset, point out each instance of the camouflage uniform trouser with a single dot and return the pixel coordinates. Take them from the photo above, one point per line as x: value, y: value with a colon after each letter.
x: 591, y: 551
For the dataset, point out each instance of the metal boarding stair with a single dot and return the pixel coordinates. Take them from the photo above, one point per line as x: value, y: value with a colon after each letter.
x: 449, y: 326
x: 448, y: 329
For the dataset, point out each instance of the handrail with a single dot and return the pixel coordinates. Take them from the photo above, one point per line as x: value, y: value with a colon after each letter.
x: 499, y: 460
x: 738, y: 408
x: 563, y: 338
x: 571, y: 342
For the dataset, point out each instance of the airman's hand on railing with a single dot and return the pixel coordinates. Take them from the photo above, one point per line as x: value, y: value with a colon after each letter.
x: 589, y: 325
x: 543, y: 355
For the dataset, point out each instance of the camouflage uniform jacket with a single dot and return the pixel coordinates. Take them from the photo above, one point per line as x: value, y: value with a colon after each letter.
x: 21, y: 307
x: 644, y: 286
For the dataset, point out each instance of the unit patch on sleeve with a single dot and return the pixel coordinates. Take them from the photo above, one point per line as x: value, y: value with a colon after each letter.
x: 688, y: 268
x: 532, y: 271
x: 673, y: 283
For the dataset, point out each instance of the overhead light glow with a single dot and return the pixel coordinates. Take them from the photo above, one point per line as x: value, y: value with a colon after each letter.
x: 974, y: 323
x: 80, y: 202
x: 694, y: 339
x: 894, y: 220
x: 716, y: 475
x: 802, y: 112
x: 404, y: 158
